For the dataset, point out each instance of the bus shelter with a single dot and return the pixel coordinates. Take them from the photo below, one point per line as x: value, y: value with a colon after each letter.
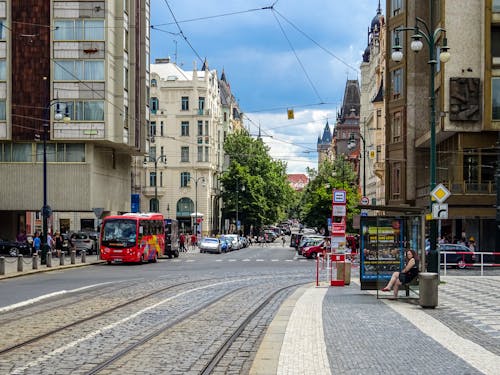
x: 383, y: 241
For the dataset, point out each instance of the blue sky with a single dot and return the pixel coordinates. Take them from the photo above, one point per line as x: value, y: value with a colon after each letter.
x: 297, y: 55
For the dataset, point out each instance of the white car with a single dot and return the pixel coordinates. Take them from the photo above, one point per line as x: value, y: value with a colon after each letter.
x: 235, y: 241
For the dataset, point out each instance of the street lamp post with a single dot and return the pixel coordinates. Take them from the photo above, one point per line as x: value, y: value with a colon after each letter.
x: 196, y: 180
x: 46, y: 210
x: 163, y: 159
x: 432, y: 40
x: 237, y: 204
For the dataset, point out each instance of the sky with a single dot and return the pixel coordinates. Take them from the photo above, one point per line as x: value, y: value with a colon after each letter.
x: 294, y: 54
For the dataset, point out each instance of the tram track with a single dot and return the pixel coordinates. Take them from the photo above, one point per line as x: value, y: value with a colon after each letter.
x: 216, y: 357
x: 94, y: 316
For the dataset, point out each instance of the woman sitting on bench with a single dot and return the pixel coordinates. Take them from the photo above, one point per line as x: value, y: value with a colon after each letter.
x: 407, y: 274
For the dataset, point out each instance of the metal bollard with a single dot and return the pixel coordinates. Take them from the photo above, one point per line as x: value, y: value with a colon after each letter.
x: 73, y: 256
x: 48, y: 261
x: 2, y: 265
x: 61, y: 259
x: 84, y: 256
x: 19, y: 263
x: 35, y: 261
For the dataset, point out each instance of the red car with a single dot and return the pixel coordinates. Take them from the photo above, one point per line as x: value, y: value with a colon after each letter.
x: 313, y: 251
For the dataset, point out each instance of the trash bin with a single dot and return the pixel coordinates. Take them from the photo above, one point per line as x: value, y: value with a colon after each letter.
x: 340, y: 272
x: 428, y: 288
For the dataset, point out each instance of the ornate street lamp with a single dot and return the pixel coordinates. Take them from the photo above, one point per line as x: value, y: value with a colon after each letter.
x: 432, y: 39
x: 46, y: 209
x: 163, y: 159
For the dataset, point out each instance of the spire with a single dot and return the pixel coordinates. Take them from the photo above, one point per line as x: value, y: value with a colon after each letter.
x: 205, y: 64
x: 379, y: 9
x: 223, y: 76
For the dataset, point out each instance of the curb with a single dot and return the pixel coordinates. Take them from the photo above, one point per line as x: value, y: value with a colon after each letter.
x: 48, y: 269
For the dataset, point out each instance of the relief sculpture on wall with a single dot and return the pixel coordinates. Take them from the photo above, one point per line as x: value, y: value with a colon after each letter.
x: 465, y: 99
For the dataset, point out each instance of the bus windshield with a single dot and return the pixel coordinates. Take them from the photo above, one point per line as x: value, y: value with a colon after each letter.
x: 119, y: 231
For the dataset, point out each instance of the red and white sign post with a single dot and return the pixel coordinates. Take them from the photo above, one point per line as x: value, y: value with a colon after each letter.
x: 339, y: 213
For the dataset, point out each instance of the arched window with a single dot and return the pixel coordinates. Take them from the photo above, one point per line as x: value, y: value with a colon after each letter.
x: 185, y: 207
x: 153, y: 83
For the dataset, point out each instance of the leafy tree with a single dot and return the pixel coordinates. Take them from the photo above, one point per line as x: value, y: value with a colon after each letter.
x: 266, y: 194
x: 317, y: 198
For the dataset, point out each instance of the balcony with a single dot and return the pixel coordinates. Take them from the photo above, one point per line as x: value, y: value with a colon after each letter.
x: 149, y: 191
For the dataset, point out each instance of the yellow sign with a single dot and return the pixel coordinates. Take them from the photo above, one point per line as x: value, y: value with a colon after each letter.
x: 440, y: 193
x: 291, y: 115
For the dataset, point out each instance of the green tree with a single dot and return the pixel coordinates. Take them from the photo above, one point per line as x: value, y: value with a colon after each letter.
x: 317, y: 198
x: 266, y: 195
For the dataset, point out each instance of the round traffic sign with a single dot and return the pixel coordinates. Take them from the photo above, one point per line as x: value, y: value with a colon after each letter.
x: 365, y: 201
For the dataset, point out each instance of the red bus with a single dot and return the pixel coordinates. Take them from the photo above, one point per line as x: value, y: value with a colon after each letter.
x: 135, y: 237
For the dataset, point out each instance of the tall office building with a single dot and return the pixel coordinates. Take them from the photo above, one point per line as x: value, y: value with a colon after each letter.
x: 85, y: 61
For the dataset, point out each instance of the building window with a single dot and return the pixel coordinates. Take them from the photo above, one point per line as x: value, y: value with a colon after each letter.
x: 495, y: 98
x: 78, y: 70
x: 185, y: 177
x: 2, y: 29
x: 125, y: 78
x: 152, y: 179
x: 185, y: 154
x: 225, y: 116
x: 152, y: 128
x: 206, y: 128
x: 496, y: 5
x: 396, y: 7
x: 495, y: 41
x: 200, y: 153
x: 62, y: 152
x: 378, y: 158
x: 3, y: 114
x: 185, y: 128
x: 152, y: 153
x: 161, y: 178
x: 153, y: 83
x: 396, y: 127
x: 79, y: 30
x: 154, y: 105
x: 206, y: 154
x: 396, y: 180
x: 125, y: 117
x: 3, y: 70
x: 161, y: 128
x: 397, y: 82
x: 185, y: 103
x: 201, y: 105
x: 88, y: 110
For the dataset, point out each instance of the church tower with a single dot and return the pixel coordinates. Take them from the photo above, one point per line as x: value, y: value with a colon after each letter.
x: 324, y: 145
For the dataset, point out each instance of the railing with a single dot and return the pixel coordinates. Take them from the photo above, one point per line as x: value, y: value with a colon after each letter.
x: 469, y: 259
x: 462, y: 187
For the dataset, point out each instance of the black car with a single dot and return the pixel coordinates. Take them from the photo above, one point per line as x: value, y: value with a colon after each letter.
x: 14, y: 248
x: 459, y: 256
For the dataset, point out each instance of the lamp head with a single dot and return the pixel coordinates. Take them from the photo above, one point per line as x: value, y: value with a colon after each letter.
x: 396, y: 55
x: 416, y: 44
x: 444, y: 55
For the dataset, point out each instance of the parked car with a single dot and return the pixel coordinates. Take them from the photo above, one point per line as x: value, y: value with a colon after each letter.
x: 313, y: 251
x: 226, y: 243
x: 236, y: 244
x: 14, y: 248
x: 461, y: 255
x: 210, y: 245
x: 308, y: 241
x: 84, y: 241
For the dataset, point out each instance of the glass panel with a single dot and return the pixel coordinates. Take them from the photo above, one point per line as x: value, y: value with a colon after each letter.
x: 60, y: 153
x: 495, y: 98
x: 200, y: 153
x: 2, y: 110
x: 64, y: 70
x: 496, y: 5
x: 75, y: 153
x: 64, y: 30
x: 3, y: 70
x: 94, y: 30
x: 2, y: 31
x: 94, y: 71
x: 94, y: 111
x: 21, y: 152
x: 7, y: 148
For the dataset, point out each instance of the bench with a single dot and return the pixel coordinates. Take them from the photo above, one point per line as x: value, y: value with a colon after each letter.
x: 412, y: 286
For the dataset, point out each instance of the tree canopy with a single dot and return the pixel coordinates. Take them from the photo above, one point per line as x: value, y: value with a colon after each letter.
x: 253, y: 182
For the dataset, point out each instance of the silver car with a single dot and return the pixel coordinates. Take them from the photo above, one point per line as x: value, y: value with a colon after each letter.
x: 210, y: 245
x: 83, y: 241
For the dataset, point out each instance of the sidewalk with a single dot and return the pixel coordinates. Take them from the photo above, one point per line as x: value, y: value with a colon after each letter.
x: 344, y: 330
x: 11, y: 265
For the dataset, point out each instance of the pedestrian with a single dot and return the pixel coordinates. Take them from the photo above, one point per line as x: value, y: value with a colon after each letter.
x: 58, y: 241
x: 21, y: 237
x: 36, y: 243
x: 283, y: 240
x: 182, y: 242
x: 472, y: 244
x: 407, y: 274
x: 50, y: 242
x: 193, y: 241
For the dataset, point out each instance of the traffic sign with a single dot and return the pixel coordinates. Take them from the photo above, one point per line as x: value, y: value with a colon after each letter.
x: 440, y: 193
x: 339, y: 197
x: 365, y: 201
x: 339, y: 210
x: 440, y: 210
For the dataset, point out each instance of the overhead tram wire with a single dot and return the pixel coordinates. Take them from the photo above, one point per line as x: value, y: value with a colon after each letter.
x: 319, y: 45
x: 298, y: 59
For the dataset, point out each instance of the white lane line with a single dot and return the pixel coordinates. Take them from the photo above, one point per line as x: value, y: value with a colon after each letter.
x: 246, y: 260
x: 474, y: 354
x: 304, y: 342
x: 45, y: 296
x: 259, y: 260
x: 275, y: 260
